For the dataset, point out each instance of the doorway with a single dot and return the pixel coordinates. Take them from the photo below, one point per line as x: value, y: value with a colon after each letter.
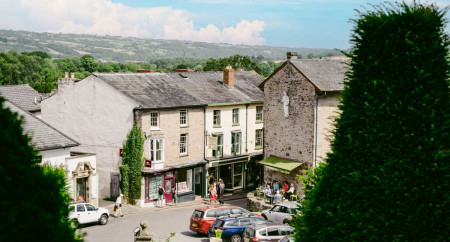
x: 198, y: 181
x: 225, y: 175
x: 168, y: 183
x: 81, y: 189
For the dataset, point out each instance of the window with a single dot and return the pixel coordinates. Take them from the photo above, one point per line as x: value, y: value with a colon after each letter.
x: 286, y: 231
x: 71, y: 208
x: 273, y: 231
x: 276, y: 209
x: 237, y: 174
x: 183, y: 118
x: 216, y: 118
x: 259, y: 138
x: 259, y: 113
x: 184, y: 180
x: 236, y: 143
x: 89, y: 207
x: 157, y: 149
x: 183, y: 144
x: 218, y: 152
x: 235, y: 116
x: 154, y: 120
x: 151, y: 186
x: 80, y: 208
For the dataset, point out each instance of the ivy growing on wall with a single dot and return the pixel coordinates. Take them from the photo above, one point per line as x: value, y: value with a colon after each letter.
x: 133, y: 159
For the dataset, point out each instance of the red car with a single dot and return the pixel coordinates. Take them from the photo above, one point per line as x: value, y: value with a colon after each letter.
x: 202, y: 218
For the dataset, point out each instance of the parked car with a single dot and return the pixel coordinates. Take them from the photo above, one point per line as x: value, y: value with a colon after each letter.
x: 84, y: 213
x: 287, y: 239
x: 267, y: 232
x: 233, y: 228
x: 202, y: 218
x: 281, y: 212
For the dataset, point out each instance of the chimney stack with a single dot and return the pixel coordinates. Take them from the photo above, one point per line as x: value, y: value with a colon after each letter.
x: 66, y: 75
x: 72, y: 75
x: 228, y: 76
x: 291, y: 55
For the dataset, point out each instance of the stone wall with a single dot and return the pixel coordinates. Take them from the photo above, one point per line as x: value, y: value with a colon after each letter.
x: 327, y: 111
x: 292, y: 137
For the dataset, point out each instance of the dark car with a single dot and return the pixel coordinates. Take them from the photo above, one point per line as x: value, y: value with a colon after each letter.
x: 233, y: 228
x: 267, y: 232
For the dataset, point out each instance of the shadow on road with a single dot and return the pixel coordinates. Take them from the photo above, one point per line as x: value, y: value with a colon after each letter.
x: 194, y: 235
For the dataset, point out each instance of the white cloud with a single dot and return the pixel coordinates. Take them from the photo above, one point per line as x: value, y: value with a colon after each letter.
x: 106, y: 18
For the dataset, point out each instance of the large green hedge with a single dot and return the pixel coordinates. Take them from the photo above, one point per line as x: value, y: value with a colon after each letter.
x: 133, y: 158
x: 33, y: 199
x: 387, y: 177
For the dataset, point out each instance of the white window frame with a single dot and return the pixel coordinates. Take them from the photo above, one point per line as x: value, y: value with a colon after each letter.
x: 259, y: 138
x: 152, y: 126
x: 235, y: 116
x: 183, y: 144
x: 183, y: 117
x: 153, y: 150
x: 237, y: 143
x: 261, y: 114
x: 216, y: 118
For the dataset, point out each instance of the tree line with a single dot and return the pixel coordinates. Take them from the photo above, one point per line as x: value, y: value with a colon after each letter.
x: 41, y: 72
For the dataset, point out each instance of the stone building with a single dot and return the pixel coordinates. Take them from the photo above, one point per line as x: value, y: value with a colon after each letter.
x: 24, y: 96
x: 171, y: 110
x: 300, y: 104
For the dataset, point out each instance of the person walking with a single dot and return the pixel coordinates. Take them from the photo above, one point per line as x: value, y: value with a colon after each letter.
x: 174, y: 195
x: 118, y: 206
x: 212, y: 194
x: 161, y: 192
x: 221, y: 190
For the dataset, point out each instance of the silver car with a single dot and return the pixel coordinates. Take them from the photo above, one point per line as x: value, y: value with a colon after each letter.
x: 281, y: 212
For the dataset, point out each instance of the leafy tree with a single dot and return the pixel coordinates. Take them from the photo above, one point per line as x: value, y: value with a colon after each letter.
x: 34, y: 197
x: 132, y: 157
x: 88, y: 63
x: 387, y: 175
x: 125, y: 180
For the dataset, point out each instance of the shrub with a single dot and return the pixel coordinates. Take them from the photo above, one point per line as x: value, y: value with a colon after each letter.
x: 386, y: 178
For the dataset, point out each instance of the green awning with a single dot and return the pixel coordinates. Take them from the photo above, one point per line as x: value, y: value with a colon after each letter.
x: 280, y: 164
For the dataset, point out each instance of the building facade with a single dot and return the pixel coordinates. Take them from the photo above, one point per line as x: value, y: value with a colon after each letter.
x: 300, y: 104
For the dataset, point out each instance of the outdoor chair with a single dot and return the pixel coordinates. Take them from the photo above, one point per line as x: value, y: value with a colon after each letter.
x: 293, y: 196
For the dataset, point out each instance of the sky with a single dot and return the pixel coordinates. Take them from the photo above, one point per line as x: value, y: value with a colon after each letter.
x: 286, y: 23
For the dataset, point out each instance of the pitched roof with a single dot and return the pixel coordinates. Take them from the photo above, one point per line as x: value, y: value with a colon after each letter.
x: 43, y: 136
x: 325, y: 74
x: 22, y: 95
x: 157, y: 90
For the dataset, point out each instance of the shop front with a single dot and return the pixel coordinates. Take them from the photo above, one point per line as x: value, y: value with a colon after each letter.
x: 232, y: 172
x: 152, y: 180
x: 189, y: 180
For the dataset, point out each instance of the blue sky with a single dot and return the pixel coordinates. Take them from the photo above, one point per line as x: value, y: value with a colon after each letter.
x: 290, y: 23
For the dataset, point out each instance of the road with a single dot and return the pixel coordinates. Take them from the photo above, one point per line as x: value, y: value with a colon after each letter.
x: 161, y: 223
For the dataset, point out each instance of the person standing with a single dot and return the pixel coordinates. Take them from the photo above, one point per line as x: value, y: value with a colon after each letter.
x: 221, y: 191
x: 118, y: 206
x: 276, y: 186
x: 174, y: 195
x: 160, y: 196
x: 212, y: 194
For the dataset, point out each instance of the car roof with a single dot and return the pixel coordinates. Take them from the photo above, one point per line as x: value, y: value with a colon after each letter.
x: 289, y: 204
x: 215, y: 207
x: 268, y: 224
x: 78, y: 202
x: 237, y: 218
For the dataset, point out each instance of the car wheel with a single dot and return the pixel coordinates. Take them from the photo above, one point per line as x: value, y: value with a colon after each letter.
x: 74, y: 223
x: 265, y: 217
x: 103, y: 219
x: 236, y: 238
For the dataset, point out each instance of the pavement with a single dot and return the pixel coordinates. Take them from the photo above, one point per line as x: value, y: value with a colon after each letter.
x: 128, y: 209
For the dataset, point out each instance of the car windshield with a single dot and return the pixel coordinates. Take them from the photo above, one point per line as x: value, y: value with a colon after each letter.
x: 197, y: 214
x: 217, y: 223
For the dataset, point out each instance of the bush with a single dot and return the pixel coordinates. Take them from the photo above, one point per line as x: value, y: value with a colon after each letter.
x: 124, y: 180
x: 34, y: 199
x: 387, y: 175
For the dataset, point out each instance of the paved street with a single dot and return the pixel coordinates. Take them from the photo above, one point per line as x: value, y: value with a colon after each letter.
x: 161, y: 223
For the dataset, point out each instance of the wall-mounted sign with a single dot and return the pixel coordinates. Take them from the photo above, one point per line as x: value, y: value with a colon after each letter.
x: 148, y: 163
x: 120, y: 152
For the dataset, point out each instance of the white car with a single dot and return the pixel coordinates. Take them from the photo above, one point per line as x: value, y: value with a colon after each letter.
x: 84, y: 213
x: 281, y: 212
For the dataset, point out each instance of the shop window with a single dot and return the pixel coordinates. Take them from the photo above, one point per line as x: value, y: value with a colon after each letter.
x: 236, y: 143
x: 183, y: 144
x: 216, y: 118
x: 151, y: 186
x: 154, y: 120
x: 236, y: 116
x: 259, y: 113
x: 237, y: 175
x: 218, y: 151
x: 184, y: 180
x: 258, y: 139
x: 183, y: 117
x: 157, y: 149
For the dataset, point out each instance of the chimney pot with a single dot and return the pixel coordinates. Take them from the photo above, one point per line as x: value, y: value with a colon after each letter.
x: 228, y: 76
x: 72, y: 75
x: 66, y: 74
x: 291, y: 55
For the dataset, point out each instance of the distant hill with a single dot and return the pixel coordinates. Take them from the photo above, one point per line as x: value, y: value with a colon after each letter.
x: 126, y: 49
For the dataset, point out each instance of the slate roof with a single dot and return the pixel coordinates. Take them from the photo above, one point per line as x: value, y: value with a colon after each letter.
x: 43, y: 136
x: 158, y: 90
x: 327, y: 75
x: 22, y: 95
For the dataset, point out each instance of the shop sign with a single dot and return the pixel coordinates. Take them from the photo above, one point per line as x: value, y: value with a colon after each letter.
x: 148, y: 163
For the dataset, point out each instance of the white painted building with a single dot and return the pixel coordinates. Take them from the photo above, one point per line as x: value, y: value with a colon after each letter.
x: 54, y: 149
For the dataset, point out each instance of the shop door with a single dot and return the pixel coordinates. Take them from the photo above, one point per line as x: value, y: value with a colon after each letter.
x: 168, y: 183
x: 114, y: 186
x: 198, y: 181
x: 225, y: 175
